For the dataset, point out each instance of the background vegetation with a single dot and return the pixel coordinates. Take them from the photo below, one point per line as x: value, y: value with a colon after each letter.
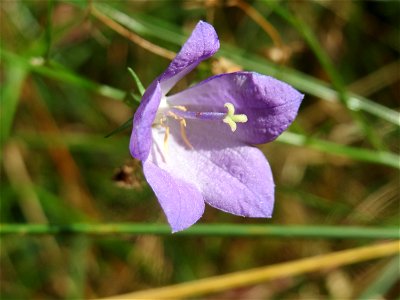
x: 65, y: 86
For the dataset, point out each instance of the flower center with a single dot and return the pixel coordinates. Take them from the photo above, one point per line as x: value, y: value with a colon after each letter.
x: 181, y: 114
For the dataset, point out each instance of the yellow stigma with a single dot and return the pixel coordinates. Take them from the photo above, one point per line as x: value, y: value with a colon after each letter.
x: 231, y: 119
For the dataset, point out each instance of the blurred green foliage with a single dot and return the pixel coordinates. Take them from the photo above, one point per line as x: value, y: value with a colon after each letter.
x: 65, y: 85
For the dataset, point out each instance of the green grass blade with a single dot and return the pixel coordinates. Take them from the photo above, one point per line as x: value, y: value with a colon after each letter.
x: 139, y: 84
x: 15, y: 75
x: 124, y: 126
x: 292, y: 231
x: 78, y: 266
x: 384, y: 282
x: 49, y: 28
x: 56, y: 72
x: 379, y: 157
x: 77, y: 142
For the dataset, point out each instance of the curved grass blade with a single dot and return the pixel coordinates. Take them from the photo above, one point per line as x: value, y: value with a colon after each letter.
x: 57, y: 72
x: 139, y: 84
x: 149, y: 26
x: 124, y: 126
x: 384, y: 282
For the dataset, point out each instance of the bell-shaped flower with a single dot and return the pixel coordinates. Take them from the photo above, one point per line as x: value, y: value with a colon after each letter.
x: 197, y: 145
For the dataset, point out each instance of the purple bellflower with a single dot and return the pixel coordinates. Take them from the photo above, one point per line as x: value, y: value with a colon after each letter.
x: 196, y: 145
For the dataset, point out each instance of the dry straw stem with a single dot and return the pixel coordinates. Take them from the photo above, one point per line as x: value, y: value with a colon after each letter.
x: 377, y: 80
x: 260, y: 20
x: 132, y: 36
x: 258, y: 275
x: 273, y: 33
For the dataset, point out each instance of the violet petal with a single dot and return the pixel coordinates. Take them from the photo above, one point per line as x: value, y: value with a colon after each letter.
x: 231, y: 175
x: 270, y: 105
x: 181, y: 201
x: 140, y: 142
x: 202, y: 44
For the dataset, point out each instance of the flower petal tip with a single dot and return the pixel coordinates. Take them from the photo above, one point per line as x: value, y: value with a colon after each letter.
x: 183, y: 222
x: 181, y: 201
x: 210, y: 35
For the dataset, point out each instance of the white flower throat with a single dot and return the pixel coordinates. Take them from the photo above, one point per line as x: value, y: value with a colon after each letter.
x: 181, y: 114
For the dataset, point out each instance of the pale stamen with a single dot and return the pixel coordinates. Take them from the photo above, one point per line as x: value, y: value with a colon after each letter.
x: 181, y: 107
x: 229, y: 117
x: 182, y: 124
x: 166, y: 135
